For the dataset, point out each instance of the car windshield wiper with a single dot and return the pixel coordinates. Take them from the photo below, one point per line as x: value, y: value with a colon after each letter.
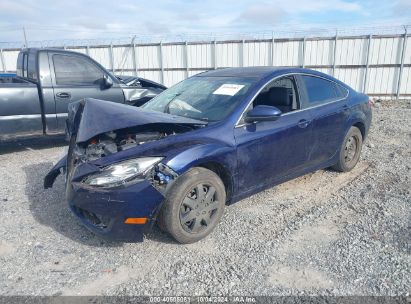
x: 167, y: 107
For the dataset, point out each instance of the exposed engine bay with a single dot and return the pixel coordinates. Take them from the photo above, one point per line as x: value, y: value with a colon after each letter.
x: 98, y: 128
x: 121, y: 140
x: 112, y: 142
x: 115, y: 141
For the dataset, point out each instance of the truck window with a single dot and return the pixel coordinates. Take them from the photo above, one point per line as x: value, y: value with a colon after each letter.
x: 31, y: 67
x: 19, y: 68
x: 75, y: 70
x: 25, y: 65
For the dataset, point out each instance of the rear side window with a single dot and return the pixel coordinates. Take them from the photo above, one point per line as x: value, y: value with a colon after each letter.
x: 31, y: 67
x: 25, y: 65
x: 343, y: 91
x: 320, y: 90
x: 19, y: 69
x: 76, y: 70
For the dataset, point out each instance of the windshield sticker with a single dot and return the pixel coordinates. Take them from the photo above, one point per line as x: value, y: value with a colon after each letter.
x: 228, y: 89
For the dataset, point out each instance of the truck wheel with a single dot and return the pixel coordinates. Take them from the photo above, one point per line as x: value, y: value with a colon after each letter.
x: 193, y: 205
x: 350, y: 151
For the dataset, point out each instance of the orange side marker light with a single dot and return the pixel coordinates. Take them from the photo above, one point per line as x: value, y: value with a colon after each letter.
x: 136, y: 220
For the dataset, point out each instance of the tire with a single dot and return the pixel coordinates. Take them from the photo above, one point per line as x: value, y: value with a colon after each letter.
x: 350, y: 151
x: 193, y: 205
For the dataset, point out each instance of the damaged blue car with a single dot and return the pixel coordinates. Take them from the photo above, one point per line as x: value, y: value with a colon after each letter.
x: 207, y: 142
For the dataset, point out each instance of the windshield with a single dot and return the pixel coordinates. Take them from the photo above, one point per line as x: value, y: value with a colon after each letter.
x: 204, y: 98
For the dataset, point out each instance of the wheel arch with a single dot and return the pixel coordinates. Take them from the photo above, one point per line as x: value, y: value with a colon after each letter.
x: 358, y: 119
x: 215, y: 157
x: 361, y: 126
x: 224, y: 174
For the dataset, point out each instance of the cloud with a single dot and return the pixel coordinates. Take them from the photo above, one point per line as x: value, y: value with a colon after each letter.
x: 50, y: 19
x: 262, y: 14
x: 273, y: 13
x: 403, y: 7
x: 156, y: 28
x: 327, y: 5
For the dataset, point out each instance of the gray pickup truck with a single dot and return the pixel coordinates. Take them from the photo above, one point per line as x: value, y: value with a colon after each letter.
x: 35, y: 101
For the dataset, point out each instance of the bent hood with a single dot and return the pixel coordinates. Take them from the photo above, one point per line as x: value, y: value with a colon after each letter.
x: 90, y: 117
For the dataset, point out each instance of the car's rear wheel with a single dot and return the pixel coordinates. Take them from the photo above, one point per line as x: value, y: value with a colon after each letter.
x: 193, y: 205
x: 350, y: 150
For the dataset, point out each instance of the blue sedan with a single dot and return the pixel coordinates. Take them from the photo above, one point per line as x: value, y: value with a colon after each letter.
x: 207, y: 142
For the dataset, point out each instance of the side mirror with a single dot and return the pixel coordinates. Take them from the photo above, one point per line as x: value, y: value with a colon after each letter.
x: 107, y: 82
x: 262, y: 113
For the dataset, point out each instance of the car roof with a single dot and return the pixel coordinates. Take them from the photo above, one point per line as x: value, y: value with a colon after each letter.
x: 262, y: 72
x: 256, y: 72
x: 259, y: 72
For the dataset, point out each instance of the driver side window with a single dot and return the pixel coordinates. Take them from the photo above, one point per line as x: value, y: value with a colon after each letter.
x: 280, y: 93
x: 75, y: 70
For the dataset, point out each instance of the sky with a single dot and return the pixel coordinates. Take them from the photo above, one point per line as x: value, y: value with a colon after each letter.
x: 92, y: 19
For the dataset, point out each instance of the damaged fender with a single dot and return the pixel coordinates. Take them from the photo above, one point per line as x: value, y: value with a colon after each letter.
x: 54, y: 172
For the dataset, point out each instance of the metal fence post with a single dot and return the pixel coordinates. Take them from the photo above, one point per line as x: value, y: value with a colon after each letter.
x: 335, y: 53
x: 135, y: 59
x: 111, y: 58
x: 303, y: 54
x: 161, y: 61
x: 242, y: 53
x: 403, y: 49
x: 272, y: 51
x: 88, y: 50
x: 3, y: 64
x: 367, y: 61
x: 215, y: 54
x: 186, y: 57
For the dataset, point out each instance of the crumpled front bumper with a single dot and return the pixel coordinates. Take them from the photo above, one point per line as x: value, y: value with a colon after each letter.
x: 103, y: 211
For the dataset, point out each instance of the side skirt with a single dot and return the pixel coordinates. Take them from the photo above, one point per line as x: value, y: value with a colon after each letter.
x: 281, y: 180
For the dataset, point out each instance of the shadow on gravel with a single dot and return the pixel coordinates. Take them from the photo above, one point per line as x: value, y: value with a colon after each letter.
x: 159, y: 236
x: 32, y: 143
x: 49, y: 207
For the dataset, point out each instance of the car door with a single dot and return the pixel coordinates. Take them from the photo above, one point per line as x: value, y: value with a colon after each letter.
x: 269, y: 151
x: 326, y: 102
x: 76, y: 77
x: 20, y: 111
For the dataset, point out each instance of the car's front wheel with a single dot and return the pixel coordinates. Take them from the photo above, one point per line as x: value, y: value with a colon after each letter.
x: 350, y: 150
x: 193, y: 205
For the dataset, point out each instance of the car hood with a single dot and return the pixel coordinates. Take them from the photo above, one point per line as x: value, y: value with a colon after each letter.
x: 90, y: 117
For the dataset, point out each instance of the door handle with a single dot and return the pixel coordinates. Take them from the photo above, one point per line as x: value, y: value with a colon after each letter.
x: 64, y: 95
x: 345, y: 107
x: 303, y: 123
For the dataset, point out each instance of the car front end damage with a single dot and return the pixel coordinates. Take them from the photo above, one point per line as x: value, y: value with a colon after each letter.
x: 117, y: 202
x: 112, y: 187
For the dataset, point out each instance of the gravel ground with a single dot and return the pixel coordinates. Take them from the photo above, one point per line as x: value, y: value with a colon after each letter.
x: 324, y: 233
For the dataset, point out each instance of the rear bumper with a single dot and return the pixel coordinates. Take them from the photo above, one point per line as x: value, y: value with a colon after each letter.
x: 104, y: 211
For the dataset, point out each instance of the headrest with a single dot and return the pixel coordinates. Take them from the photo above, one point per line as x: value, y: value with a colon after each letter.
x: 279, y: 96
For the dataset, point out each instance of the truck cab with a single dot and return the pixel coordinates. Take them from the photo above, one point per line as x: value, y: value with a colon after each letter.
x: 36, y: 100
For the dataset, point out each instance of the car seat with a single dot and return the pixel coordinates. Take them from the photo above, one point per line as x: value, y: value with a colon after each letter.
x: 278, y: 97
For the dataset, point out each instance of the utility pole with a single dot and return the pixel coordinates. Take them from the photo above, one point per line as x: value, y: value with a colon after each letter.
x: 25, y: 37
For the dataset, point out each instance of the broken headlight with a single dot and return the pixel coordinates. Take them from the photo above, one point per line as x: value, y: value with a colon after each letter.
x: 123, y: 172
